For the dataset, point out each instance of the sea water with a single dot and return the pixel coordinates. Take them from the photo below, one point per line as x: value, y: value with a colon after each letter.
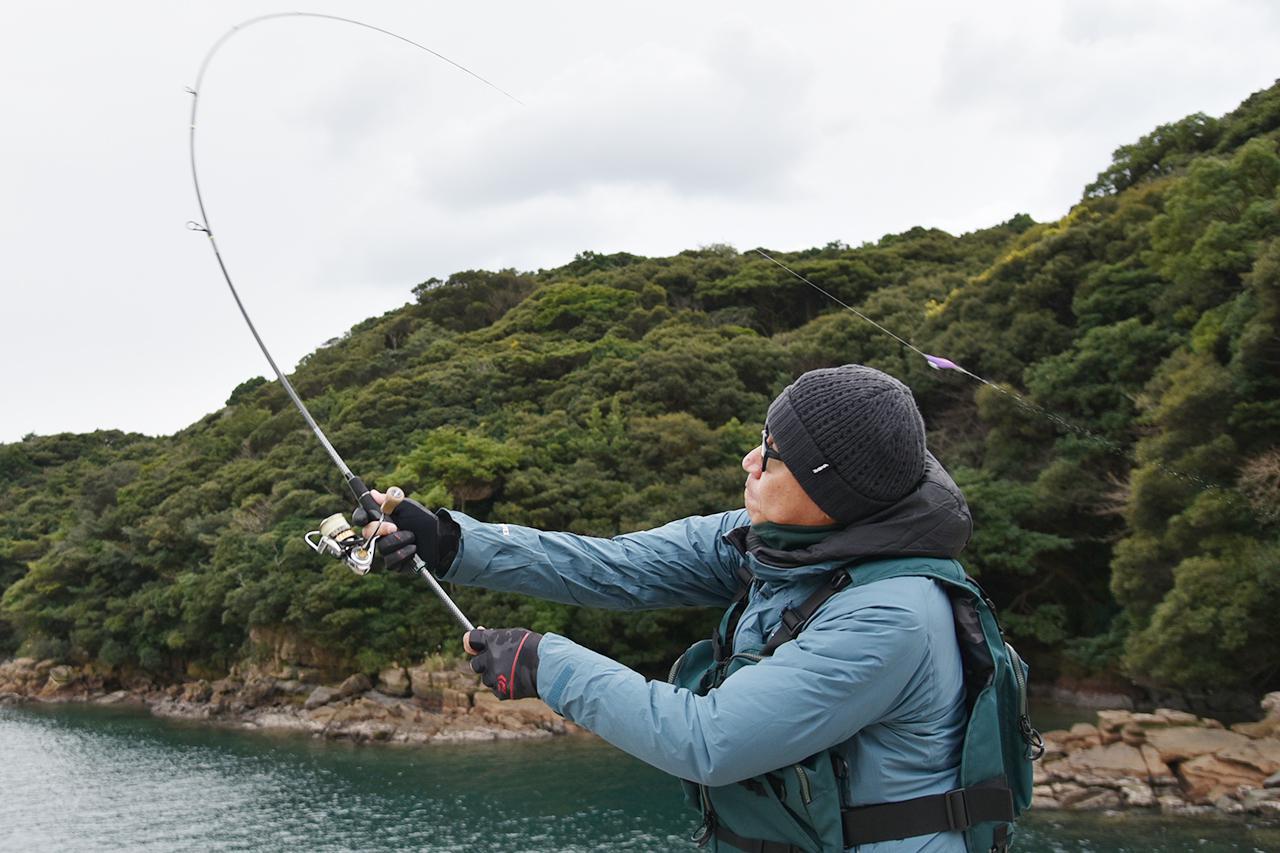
x: 76, y: 778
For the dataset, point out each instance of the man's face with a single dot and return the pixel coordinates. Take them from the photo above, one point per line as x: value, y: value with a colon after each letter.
x: 773, y: 494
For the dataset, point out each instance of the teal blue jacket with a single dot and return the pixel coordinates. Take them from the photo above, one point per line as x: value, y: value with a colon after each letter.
x: 876, y: 673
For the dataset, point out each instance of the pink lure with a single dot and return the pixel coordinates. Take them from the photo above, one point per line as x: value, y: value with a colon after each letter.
x: 939, y: 363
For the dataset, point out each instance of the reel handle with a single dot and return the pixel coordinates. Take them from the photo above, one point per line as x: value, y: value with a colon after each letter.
x: 394, y: 496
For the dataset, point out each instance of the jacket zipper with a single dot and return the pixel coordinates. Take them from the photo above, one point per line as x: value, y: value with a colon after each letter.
x: 1017, y: 676
x: 805, y: 793
x: 675, y: 670
x: 1031, y: 737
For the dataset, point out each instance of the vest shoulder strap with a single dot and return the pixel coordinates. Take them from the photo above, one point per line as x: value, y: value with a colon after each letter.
x: 795, y: 618
x: 947, y: 571
x: 722, y: 637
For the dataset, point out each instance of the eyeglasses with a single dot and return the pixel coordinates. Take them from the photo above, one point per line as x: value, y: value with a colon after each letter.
x: 766, y: 452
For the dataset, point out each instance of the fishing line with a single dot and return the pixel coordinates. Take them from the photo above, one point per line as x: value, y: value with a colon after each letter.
x: 204, y: 226
x: 940, y: 363
x: 354, y: 482
x: 335, y: 537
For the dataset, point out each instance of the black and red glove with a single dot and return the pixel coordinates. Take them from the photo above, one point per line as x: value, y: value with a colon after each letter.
x: 507, y: 660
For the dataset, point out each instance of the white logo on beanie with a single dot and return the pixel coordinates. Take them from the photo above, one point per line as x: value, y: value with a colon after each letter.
x: 824, y: 466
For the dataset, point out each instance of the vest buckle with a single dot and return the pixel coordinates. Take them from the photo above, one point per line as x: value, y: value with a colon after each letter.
x: 957, y: 809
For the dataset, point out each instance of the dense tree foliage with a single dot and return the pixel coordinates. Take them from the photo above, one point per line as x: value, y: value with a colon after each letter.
x: 1122, y: 462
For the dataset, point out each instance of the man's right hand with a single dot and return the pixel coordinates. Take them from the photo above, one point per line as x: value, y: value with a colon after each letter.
x: 413, y: 529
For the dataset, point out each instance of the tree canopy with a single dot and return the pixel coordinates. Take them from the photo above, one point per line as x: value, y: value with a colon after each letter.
x: 1123, y: 465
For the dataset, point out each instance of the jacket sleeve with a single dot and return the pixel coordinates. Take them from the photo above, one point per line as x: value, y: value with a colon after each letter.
x: 838, y: 676
x: 681, y: 564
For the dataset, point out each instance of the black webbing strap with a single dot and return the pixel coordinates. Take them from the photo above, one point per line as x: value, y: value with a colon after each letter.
x: 754, y: 845
x: 958, y: 809
x: 794, y: 618
x: 723, y: 647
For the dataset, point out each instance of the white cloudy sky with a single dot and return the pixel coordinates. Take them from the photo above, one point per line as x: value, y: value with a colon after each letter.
x: 341, y: 167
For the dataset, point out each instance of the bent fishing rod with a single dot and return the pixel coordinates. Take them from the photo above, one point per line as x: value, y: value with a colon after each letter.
x: 336, y: 536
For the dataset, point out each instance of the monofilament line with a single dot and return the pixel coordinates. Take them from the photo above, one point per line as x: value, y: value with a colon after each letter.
x: 940, y: 363
x: 203, y: 224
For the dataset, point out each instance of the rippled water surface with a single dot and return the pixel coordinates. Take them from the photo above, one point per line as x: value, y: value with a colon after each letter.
x: 87, y: 779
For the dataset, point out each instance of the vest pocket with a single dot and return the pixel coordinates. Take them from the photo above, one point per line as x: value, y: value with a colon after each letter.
x: 696, y: 669
x: 797, y: 805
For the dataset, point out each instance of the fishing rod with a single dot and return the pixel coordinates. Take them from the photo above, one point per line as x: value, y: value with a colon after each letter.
x: 336, y: 536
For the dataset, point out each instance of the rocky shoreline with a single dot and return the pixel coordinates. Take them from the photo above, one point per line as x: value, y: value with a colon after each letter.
x: 1169, y: 761
x: 436, y: 702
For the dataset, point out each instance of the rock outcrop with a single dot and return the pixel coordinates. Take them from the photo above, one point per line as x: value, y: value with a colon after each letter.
x: 394, y: 681
x: 1169, y: 760
x: 438, y: 701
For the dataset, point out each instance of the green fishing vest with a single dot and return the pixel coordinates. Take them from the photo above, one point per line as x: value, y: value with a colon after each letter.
x: 803, y: 808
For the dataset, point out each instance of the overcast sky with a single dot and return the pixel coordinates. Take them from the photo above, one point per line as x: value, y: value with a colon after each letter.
x: 341, y: 167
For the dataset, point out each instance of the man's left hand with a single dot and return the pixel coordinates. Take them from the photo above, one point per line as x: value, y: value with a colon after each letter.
x: 506, y: 659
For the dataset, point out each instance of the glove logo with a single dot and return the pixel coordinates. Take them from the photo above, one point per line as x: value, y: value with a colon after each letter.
x: 502, y: 686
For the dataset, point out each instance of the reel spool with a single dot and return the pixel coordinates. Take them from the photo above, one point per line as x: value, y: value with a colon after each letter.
x: 338, y: 539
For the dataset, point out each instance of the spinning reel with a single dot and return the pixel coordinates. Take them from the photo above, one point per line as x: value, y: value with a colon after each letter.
x: 337, y: 538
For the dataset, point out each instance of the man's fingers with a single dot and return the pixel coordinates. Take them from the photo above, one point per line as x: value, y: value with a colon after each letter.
x: 395, y: 558
x: 384, y: 528
x: 466, y: 642
x: 387, y: 527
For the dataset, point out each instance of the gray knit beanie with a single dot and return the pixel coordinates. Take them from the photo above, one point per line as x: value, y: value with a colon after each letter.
x: 852, y: 436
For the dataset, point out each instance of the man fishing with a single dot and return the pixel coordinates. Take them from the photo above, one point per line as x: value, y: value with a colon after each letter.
x: 859, y: 685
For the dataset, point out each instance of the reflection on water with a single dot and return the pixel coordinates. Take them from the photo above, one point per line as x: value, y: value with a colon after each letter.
x: 91, y: 779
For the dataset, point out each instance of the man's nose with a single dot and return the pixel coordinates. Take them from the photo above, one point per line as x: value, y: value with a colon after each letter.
x: 751, y: 462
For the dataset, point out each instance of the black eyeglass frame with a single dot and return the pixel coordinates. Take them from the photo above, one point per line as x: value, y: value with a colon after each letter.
x: 767, y: 452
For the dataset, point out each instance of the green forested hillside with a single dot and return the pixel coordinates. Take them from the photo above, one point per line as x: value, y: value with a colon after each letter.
x: 1125, y: 506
